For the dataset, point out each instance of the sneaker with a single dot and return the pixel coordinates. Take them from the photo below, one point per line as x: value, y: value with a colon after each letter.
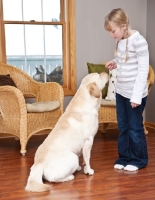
x: 118, y: 166
x: 131, y: 168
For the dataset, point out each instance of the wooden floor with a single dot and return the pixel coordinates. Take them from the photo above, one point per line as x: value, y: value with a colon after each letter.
x: 106, y: 184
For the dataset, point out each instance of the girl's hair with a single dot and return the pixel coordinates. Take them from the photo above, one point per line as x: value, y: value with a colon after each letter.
x: 118, y: 17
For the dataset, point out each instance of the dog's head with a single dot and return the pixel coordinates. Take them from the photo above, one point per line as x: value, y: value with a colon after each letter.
x: 95, y: 83
x: 88, y: 96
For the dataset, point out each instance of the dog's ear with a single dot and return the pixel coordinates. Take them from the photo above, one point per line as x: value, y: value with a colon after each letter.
x: 93, y: 90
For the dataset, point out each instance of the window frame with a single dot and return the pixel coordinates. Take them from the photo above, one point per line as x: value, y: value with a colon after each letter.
x: 69, y: 43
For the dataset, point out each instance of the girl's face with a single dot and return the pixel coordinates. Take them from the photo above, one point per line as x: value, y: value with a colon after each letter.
x: 118, y: 32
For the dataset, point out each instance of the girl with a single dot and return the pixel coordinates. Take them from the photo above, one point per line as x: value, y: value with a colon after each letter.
x: 132, y: 62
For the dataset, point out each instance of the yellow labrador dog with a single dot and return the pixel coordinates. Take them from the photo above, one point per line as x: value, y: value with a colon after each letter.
x: 57, y: 158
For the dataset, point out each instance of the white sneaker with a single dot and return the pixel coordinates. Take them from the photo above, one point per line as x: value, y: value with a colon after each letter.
x: 118, y: 166
x: 131, y: 168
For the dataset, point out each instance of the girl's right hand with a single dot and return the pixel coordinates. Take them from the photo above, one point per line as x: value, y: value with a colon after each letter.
x: 111, y: 65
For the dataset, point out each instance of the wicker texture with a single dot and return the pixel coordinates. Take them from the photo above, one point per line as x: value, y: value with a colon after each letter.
x: 14, y: 118
x: 107, y: 114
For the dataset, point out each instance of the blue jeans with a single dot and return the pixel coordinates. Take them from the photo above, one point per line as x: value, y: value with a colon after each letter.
x: 132, y: 146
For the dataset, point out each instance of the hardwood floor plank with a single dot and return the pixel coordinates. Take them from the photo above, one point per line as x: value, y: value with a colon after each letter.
x: 107, y: 183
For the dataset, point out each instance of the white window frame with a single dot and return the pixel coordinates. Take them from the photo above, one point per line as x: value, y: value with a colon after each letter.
x: 69, y: 44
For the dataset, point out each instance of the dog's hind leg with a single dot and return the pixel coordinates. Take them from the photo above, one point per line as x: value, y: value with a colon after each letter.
x: 86, y: 155
x: 69, y: 178
x: 79, y: 168
x: 61, y: 167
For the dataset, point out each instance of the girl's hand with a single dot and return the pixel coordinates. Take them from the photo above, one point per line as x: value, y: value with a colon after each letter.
x: 134, y: 105
x: 111, y: 65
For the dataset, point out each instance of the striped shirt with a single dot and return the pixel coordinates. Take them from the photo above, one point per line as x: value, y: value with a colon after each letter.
x: 132, y: 74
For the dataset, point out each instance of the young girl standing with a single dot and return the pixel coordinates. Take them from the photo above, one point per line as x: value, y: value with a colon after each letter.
x: 132, y: 62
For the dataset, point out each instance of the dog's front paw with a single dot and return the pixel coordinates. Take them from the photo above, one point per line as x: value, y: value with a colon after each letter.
x: 88, y: 171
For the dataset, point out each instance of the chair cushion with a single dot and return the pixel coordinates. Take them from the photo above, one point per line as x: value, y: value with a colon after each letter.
x: 99, y: 68
x: 42, y: 106
x: 111, y: 94
x: 6, y: 80
x: 108, y: 103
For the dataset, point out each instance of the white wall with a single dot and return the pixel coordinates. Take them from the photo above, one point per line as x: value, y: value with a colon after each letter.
x: 150, y: 36
x: 93, y: 43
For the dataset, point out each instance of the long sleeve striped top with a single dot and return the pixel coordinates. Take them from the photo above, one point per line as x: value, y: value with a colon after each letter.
x: 132, y: 74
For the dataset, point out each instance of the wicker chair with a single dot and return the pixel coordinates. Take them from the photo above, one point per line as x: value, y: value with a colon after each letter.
x: 107, y: 114
x: 14, y: 118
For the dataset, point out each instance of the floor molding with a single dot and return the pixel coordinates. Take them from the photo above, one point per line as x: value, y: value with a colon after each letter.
x: 7, y: 135
x: 114, y: 125
x: 110, y: 126
x: 149, y: 124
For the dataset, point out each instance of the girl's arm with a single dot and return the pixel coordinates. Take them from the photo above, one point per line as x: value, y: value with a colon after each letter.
x: 141, y: 48
x: 111, y: 64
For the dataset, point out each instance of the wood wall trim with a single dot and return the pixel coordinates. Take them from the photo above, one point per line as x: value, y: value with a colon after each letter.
x: 110, y: 126
x: 114, y: 125
x: 70, y: 48
x: 2, y: 37
x: 149, y: 124
x: 72, y: 45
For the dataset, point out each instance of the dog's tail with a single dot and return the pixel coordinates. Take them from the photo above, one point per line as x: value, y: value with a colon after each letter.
x: 35, y: 183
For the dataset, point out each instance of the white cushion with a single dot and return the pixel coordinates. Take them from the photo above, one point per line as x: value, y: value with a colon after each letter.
x: 111, y: 95
x: 42, y: 106
x: 108, y: 103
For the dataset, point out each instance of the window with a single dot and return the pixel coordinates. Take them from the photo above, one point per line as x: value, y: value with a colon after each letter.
x: 39, y: 38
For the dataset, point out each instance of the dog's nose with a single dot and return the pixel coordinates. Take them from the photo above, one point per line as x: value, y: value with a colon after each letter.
x: 105, y: 76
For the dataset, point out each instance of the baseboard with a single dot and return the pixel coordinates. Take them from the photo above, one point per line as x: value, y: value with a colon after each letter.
x: 114, y: 125
x: 110, y: 126
x: 7, y: 135
x: 149, y: 124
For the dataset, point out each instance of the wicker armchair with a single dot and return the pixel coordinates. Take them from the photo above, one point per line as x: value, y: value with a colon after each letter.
x: 107, y: 114
x: 14, y: 118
